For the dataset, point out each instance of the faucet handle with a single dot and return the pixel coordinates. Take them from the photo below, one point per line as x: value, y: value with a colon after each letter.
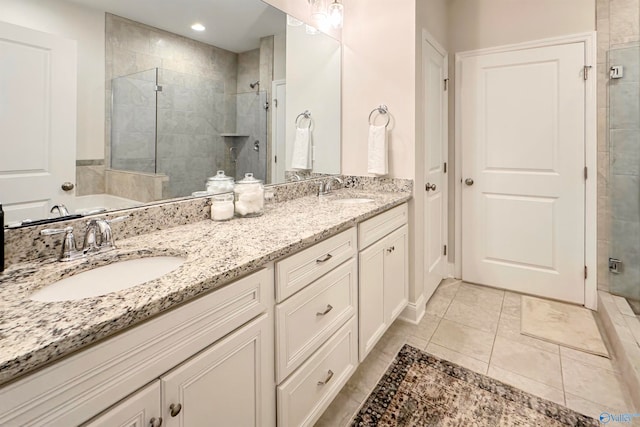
x: 105, y: 230
x: 69, y: 250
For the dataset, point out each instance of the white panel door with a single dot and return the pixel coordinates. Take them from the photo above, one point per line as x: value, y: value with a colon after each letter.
x: 37, y: 121
x: 436, y: 137
x: 523, y: 142
x: 279, y: 126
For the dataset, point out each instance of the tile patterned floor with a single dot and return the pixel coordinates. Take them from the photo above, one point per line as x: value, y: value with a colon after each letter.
x: 479, y: 328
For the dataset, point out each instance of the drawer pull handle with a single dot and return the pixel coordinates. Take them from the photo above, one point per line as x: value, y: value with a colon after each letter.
x: 391, y: 249
x: 155, y: 422
x: 326, y: 380
x: 175, y: 409
x: 328, y: 309
x: 325, y: 258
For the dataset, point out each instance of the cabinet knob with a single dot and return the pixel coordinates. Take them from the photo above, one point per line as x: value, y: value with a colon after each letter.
x: 391, y: 249
x: 327, y: 379
x: 155, y: 422
x: 175, y: 409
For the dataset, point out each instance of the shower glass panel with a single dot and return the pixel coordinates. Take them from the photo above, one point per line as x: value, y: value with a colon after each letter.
x: 624, y: 179
x: 185, y: 128
x: 133, y: 122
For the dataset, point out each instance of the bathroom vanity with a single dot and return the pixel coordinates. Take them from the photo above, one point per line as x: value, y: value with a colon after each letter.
x: 262, y: 325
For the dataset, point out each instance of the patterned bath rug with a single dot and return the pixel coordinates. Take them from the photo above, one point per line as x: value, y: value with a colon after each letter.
x: 560, y: 323
x: 419, y: 389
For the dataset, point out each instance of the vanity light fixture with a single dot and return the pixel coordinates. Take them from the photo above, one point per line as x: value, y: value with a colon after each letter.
x: 198, y: 27
x: 336, y: 14
x: 318, y: 9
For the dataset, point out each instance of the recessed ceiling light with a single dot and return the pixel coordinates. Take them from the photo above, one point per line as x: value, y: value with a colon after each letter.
x: 197, y: 27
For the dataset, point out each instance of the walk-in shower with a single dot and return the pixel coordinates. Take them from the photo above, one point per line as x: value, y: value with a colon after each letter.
x: 185, y: 128
x: 624, y: 173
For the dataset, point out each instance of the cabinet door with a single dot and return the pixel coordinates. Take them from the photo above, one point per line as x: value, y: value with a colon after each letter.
x: 141, y: 409
x: 371, y: 297
x: 229, y: 384
x: 396, y: 274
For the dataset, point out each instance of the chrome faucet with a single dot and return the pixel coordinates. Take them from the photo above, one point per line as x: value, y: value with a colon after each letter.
x: 325, y: 188
x: 98, y: 238
x: 62, y: 209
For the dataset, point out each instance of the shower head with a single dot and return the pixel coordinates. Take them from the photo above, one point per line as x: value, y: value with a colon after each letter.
x: 254, y: 84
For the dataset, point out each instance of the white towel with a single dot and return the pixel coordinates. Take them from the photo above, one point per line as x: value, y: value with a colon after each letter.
x: 378, y: 156
x: 301, y: 157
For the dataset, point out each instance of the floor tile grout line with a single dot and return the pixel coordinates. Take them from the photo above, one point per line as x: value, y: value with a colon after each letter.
x: 564, y: 389
x: 495, y: 335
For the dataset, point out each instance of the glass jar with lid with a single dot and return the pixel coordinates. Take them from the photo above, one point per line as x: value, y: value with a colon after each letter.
x: 222, y: 207
x: 220, y: 183
x: 249, y: 196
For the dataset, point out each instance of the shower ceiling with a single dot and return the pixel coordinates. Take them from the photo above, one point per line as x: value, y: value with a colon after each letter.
x: 235, y: 25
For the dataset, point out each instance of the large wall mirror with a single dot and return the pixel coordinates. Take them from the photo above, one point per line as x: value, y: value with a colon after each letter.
x: 109, y: 104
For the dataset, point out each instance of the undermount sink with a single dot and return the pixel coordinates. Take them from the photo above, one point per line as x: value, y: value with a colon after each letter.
x: 109, y: 278
x: 353, y: 201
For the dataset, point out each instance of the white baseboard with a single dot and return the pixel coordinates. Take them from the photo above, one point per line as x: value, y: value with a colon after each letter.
x: 414, y: 311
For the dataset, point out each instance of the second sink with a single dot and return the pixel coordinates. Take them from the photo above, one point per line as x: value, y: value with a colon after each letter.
x: 109, y: 278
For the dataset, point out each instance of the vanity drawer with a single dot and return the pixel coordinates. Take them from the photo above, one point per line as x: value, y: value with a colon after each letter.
x: 306, y: 320
x: 308, y: 392
x: 297, y: 271
x: 374, y: 229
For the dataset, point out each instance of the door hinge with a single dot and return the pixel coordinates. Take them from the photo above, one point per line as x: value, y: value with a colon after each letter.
x: 585, y: 173
x: 586, y: 71
x: 275, y: 159
x: 445, y: 250
x: 446, y: 84
x: 275, y: 103
x: 445, y: 167
x: 585, y: 271
x: 158, y: 88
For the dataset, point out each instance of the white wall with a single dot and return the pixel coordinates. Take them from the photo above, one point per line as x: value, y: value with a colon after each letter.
x: 378, y: 68
x: 477, y: 24
x: 86, y: 26
x: 300, y: 10
x: 313, y: 83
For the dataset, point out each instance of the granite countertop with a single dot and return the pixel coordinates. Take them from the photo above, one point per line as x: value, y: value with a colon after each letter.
x: 33, y: 333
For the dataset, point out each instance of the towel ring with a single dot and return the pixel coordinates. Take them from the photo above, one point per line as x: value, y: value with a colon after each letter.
x: 381, y: 109
x: 305, y: 115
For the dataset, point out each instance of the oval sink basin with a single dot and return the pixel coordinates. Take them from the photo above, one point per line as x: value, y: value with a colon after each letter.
x: 109, y: 278
x: 353, y: 201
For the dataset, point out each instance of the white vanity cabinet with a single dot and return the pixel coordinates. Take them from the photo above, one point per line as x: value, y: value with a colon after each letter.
x: 213, y: 356
x: 227, y: 384
x: 384, y: 275
x: 316, y: 327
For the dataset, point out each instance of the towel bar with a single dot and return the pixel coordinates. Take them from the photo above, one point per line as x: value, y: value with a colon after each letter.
x: 381, y: 109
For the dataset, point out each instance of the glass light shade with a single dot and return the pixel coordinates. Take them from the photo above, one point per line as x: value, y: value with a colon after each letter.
x: 319, y: 12
x: 336, y: 14
x: 293, y: 22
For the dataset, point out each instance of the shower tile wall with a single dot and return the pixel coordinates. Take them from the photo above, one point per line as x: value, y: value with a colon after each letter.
x: 624, y: 179
x: 132, y: 47
x: 191, y: 117
x: 251, y: 120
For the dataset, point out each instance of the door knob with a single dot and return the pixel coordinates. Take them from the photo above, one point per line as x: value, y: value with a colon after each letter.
x: 67, y: 186
x: 431, y: 187
x: 468, y: 181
